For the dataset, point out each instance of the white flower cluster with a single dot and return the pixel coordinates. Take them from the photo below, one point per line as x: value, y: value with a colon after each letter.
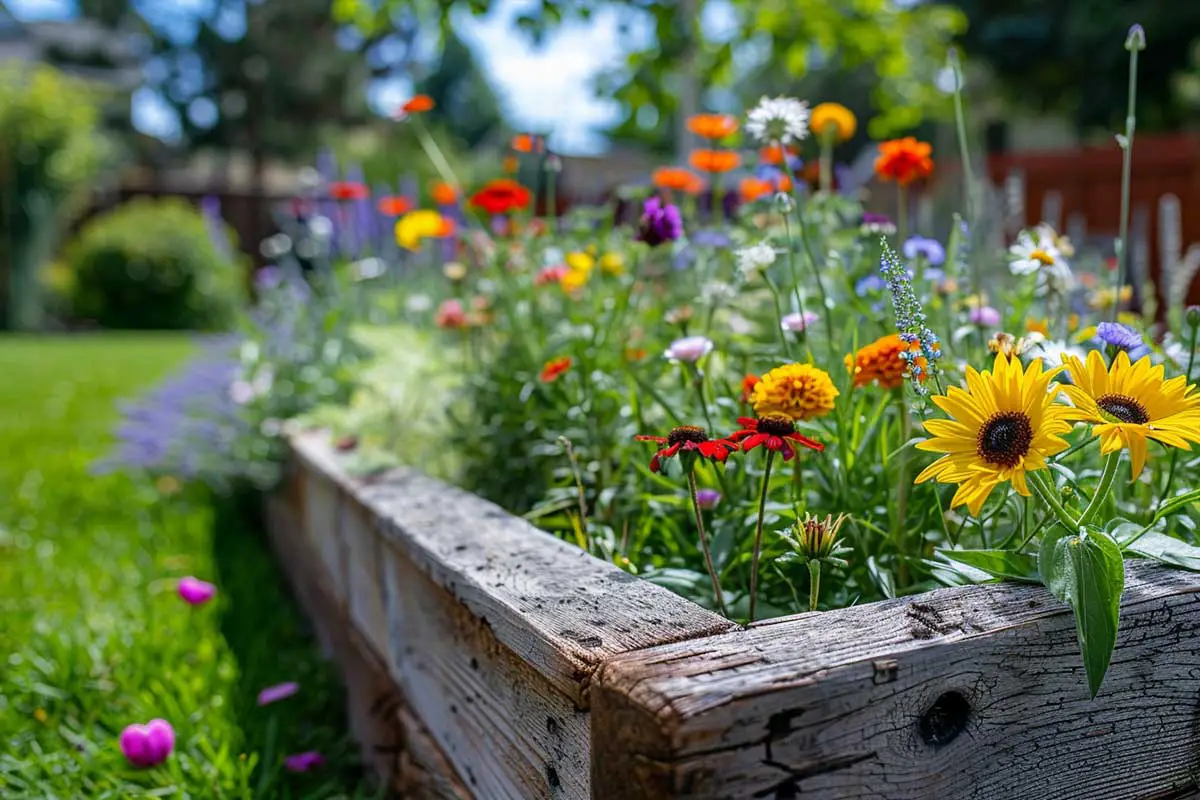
x: 778, y: 120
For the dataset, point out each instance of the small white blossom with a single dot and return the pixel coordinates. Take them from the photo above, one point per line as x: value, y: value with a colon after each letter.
x: 778, y: 119
x: 715, y: 292
x: 754, y: 259
x: 368, y: 268
x: 690, y: 349
x: 1040, y: 252
x: 798, y: 323
x: 1051, y: 352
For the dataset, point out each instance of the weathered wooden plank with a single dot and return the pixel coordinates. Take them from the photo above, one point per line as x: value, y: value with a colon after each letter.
x: 975, y: 693
x: 558, y: 609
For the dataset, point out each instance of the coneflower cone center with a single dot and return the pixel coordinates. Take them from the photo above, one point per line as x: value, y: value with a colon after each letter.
x: 776, y: 424
x: 1005, y: 438
x: 1123, y: 408
x: 687, y: 433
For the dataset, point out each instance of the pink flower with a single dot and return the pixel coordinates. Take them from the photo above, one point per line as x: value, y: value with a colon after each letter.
x: 550, y: 275
x: 196, y: 592
x: 985, y: 316
x: 303, y: 762
x: 450, y: 314
x: 689, y: 349
x: 273, y: 694
x: 798, y: 323
x: 148, y: 745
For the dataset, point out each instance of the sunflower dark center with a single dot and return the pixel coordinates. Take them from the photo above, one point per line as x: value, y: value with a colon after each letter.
x: 1005, y: 438
x: 687, y: 433
x: 1124, y: 408
x: 776, y: 424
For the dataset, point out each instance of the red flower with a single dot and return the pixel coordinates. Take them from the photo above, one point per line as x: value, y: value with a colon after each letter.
x: 394, y: 206
x: 690, y: 439
x: 772, y: 431
x: 904, y: 160
x: 501, y: 196
x: 418, y: 104
x: 748, y: 384
x: 554, y: 368
x: 550, y: 275
x: 348, y: 190
x: 527, y: 143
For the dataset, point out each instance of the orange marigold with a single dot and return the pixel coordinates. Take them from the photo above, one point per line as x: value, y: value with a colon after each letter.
x: 751, y: 189
x: 394, y: 206
x: 773, y: 154
x: 714, y: 161
x: 712, y: 126
x: 881, y: 362
x: 444, y: 194
x: 904, y: 160
x: 418, y: 104
x: 833, y: 119
x: 527, y: 143
x: 677, y: 178
x: 554, y: 368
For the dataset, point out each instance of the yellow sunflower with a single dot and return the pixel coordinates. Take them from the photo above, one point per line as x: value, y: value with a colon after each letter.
x: 1003, y: 426
x: 1129, y: 403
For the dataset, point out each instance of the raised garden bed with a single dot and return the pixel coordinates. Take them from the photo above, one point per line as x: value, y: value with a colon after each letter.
x: 487, y: 658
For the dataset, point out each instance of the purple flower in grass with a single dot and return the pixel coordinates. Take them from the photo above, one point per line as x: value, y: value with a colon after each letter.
x: 920, y: 247
x: 689, y: 349
x: 280, y: 691
x: 708, y: 498
x: 1119, y: 336
x: 147, y: 745
x: 797, y: 322
x: 303, y: 762
x: 985, y: 317
x: 196, y: 592
x: 661, y: 222
x: 871, y: 284
x: 710, y: 238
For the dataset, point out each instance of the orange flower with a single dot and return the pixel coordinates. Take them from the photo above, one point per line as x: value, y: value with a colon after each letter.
x: 773, y: 154
x: 554, y: 368
x: 677, y: 178
x: 501, y: 196
x: 712, y: 126
x: 635, y: 353
x: 904, y: 160
x: 752, y: 189
x: 444, y: 194
x: 880, y: 362
x: 714, y: 160
x: 510, y: 164
x: 419, y: 104
x: 448, y: 227
x: 348, y: 190
x: 833, y: 119
x: 748, y: 384
x: 395, y: 206
x: 783, y: 183
x: 527, y: 143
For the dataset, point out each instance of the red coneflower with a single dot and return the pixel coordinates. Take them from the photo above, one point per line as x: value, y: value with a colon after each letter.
x: 419, y: 104
x: 554, y: 368
x: 395, y: 206
x: 689, y: 439
x: 348, y: 190
x: 774, y: 432
x: 501, y: 196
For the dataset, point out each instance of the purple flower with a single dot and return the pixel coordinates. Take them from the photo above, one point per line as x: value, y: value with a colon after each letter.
x: 196, y: 592
x: 690, y: 349
x: 268, y: 278
x: 710, y: 238
x: 281, y: 691
x: 303, y: 762
x: 707, y: 498
x: 661, y: 222
x: 870, y: 285
x: 919, y: 246
x: 877, y: 224
x: 798, y: 323
x: 1119, y: 336
x: 147, y: 745
x: 985, y: 317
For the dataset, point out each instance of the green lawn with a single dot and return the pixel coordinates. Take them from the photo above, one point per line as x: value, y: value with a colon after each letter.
x: 93, y: 635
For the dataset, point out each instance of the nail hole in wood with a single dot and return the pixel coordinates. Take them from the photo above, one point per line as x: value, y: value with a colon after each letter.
x: 945, y: 719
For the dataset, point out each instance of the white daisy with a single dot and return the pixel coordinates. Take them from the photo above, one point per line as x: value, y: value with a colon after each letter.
x: 754, y: 259
x: 1051, y: 352
x: 1039, y: 252
x: 778, y: 120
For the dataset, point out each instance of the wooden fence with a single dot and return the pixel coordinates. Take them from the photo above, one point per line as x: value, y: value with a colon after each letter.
x: 486, y: 658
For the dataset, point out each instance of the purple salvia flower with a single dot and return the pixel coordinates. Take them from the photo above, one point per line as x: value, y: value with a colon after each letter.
x: 661, y: 222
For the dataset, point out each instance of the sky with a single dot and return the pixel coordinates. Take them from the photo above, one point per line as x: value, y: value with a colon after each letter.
x: 543, y: 88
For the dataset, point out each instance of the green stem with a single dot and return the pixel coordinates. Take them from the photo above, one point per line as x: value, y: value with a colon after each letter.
x: 960, y: 125
x: 812, y: 261
x: 903, y: 482
x: 783, y: 337
x: 758, y: 531
x: 827, y: 158
x: 814, y: 584
x: 902, y: 212
x: 1175, y: 450
x: 698, y: 385
x: 708, y: 560
x: 1103, y: 489
x: 1049, y: 497
x: 1126, y: 170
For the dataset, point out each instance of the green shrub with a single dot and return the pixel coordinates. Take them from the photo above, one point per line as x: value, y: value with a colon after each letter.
x: 151, y: 264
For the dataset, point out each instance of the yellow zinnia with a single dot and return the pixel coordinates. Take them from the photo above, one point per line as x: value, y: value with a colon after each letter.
x: 612, y: 264
x: 835, y: 118
x: 416, y: 226
x: 800, y: 391
x: 1129, y: 403
x: 1003, y: 426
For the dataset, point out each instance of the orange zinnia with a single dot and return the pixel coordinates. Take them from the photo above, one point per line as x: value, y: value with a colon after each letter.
x: 394, y: 206
x: 418, y: 104
x: 712, y: 126
x: 554, y: 368
x: 773, y: 154
x: 881, y: 362
x: 904, y: 160
x: 444, y: 194
x: 677, y: 178
x: 527, y: 143
x: 752, y: 189
x: 715, y: 160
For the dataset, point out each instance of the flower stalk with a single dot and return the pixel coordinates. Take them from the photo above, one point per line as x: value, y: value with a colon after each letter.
x: 708, y: 559
x: 1134, y: 43
x: 758, y: 531
x: 1103, y: 489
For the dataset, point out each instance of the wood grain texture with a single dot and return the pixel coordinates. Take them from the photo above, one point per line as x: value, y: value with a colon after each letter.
x: 975, y: 692
x: 558, y: 609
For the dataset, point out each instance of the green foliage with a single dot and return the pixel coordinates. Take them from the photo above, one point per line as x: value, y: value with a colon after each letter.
x: 95, y: 637
x: 151, y: 264
x: 49, y: 149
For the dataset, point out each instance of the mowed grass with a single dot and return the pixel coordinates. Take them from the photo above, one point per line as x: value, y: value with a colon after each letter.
x: 93, y: 635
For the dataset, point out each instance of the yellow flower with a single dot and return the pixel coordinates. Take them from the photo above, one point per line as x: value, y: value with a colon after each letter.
x: 581, y: 261
x: 416, y: 226
x: 799, y: 391
x: 1102, y: 298
x: 1041, y: 326
x: 454, y: 270
x: 1129, y: 403
x: 1003, y: 426
x: 573, y: 280
x: 612, y: 264
x: 833, y: 117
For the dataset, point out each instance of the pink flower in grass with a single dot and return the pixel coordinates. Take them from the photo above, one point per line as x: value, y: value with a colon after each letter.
x: 148, y: 745
x: 196, y: 592
x: 303, y: 762
x: 273, y: 694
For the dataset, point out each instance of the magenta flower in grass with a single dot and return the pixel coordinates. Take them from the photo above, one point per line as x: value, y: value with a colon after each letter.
x: 281, y: 691
x: 708, y: 498
x: 303, y: 762
x: 661, y: 222
x: 148, y: 745
x: 196, y: 592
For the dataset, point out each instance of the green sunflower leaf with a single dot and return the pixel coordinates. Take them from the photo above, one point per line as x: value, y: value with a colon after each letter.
x: 998, y: 563
x: 1085, y: 571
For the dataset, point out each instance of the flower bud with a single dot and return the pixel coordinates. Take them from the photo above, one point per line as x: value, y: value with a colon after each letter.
x: 1136, y: 40
x: 1192, y: 316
